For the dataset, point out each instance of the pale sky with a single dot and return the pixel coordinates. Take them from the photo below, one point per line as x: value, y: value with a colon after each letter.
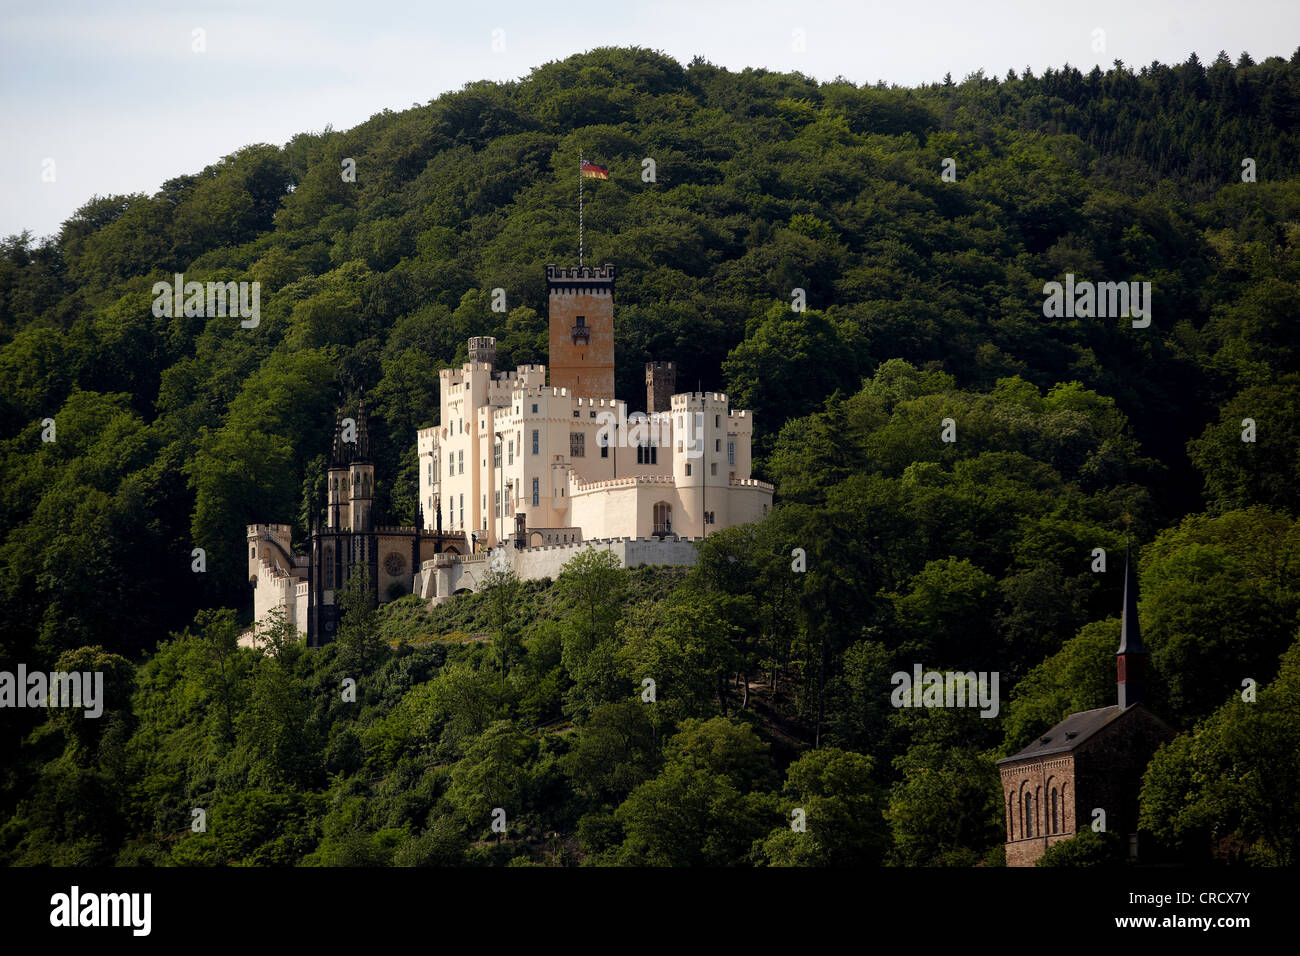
x: 114, y: 93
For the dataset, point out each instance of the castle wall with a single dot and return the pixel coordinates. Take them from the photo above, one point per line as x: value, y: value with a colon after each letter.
x: 536, y: 563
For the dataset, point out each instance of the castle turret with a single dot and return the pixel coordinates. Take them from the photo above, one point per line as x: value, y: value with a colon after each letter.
x: 483, y: 349
x: 660, y: 384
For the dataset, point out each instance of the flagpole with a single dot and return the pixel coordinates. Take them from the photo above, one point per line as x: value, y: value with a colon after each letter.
x: 579, y: 208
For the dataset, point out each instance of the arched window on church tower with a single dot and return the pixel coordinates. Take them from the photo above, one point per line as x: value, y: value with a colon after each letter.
x: 329, y: 567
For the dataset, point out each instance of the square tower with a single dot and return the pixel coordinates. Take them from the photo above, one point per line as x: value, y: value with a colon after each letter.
x: 660, y: 385
x: 582, y: 329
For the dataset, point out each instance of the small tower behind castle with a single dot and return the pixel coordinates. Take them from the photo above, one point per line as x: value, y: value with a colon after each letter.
x: 660, y: 383
x: 483, y: 348
x: 582, y: 329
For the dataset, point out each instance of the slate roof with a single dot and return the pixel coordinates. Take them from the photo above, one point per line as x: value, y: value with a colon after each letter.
x: 1069, y: 733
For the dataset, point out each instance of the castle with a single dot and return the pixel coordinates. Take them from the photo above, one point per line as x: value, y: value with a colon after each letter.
x: 522, y: 474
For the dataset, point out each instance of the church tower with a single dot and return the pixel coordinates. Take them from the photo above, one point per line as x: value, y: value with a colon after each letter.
x: 1131, y: 658
x: 581, y: 307
x: 361, y: 476
x: 337, y: 511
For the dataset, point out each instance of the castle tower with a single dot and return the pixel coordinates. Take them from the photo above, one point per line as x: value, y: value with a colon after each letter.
x: 660, y: 383
x: 483, y: 348
x: 582, y: 329
x: 1131, y: 658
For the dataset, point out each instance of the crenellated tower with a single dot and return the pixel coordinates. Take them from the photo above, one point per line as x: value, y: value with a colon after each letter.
x: 581, y: 307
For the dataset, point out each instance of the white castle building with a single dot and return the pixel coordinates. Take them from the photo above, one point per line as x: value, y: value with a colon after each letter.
x: 524, y: 473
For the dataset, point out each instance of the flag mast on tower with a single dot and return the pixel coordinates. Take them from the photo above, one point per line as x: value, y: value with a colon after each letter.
x: 580, y: 179
x: 586, y: 170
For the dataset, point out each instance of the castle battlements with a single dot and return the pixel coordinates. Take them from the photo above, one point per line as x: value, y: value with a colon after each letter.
x: 587, y: 486
x: 682, y: 399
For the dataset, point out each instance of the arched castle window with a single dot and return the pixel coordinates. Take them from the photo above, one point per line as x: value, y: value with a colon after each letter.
x: 1028, y: 822
x: 1056, y: 811
x: 663, y: 517
x: 1065, y: 798
x: 1011, y: 818
x: 329, y: 567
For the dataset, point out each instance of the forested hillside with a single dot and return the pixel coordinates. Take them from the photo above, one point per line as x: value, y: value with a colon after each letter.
x: 925, y: 302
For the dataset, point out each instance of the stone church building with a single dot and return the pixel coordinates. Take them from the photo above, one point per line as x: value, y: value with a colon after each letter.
x: 1092, y: 760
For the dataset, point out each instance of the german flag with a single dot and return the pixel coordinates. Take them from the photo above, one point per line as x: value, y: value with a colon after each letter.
x: 592, y: 171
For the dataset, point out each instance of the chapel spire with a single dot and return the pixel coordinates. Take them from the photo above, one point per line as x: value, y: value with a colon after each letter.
x: 1131, y: 658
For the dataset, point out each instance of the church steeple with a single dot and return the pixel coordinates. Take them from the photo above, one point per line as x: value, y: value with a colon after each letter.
x: 1131, y: 658
x: 341, y: 451
x: 362, y: 452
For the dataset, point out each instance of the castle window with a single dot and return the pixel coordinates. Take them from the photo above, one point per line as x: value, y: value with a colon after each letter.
x: 577, y: 445
x: 576, y: 413
x: 663, y: 517
x: 640, y: 455
x: 713, y: 467
x: 654, y: 454
x: 717, y: 444
x: 534, y: 408
x: 717, y: 421
x: 535, y: 441
x: 731, y: 453
x: 510, y: 454
x: 1056, y: 812
x: 252, y: 552
x: 496, y: 454
x: 329, y: 567
x: 462, y: 511
x: 688, y: 469
x: 497, y: 502
x: 536, y: 492
x: 462, y: 462
x: 1028, y: 819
